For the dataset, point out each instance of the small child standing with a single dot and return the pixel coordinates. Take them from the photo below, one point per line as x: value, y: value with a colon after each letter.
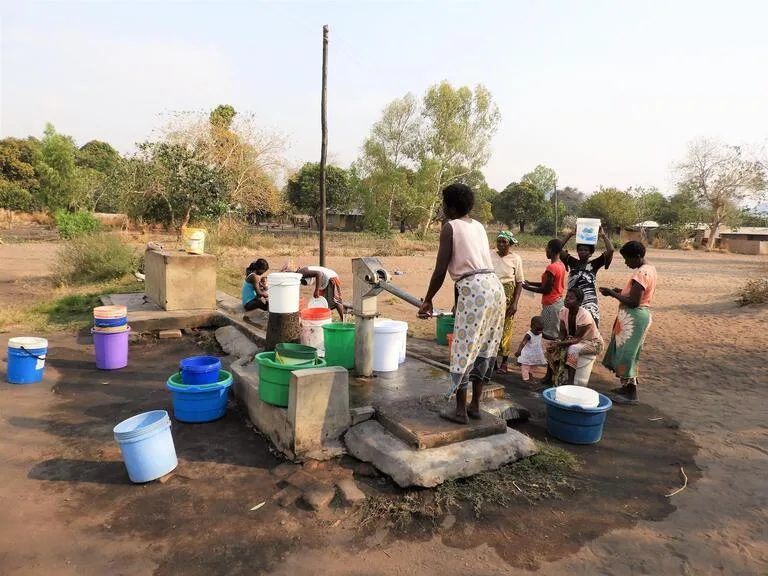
x: 254, y: 288
x: 530, y: 353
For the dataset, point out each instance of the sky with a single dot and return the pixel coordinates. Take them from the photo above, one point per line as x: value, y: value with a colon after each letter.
x: 605, y: 92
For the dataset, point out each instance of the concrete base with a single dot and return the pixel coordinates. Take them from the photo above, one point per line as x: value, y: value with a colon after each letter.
x: 418, y: 423
x: 176, y: 280
x: 316, y: 418
x: 370, y: 442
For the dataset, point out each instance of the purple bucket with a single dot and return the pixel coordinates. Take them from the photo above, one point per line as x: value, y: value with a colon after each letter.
x: 111, y: 349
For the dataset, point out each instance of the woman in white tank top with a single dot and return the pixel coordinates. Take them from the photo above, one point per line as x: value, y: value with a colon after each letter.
x: 464, y: 253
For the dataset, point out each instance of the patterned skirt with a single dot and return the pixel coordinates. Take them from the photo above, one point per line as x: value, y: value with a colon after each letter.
x: 627, y: 338
x: 550, y: 317
x: 477, y: 329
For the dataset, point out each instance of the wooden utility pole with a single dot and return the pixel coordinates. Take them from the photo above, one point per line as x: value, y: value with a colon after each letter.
x: 554, y: 193
x: 324, y: 144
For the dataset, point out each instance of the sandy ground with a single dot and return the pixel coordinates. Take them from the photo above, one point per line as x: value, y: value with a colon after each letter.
x: 702, y: 365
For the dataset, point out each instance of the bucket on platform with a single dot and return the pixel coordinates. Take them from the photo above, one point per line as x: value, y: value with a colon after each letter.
x: 26, y: 359
x: 444, y: 327
x: 146, y: 444
x: 312, y: 322
x: 339, y: 344
x: 388, y: 338
x: 199, y: 370
x: 587, y: 230
x: 202, y: 403
x: 283, y: 288
x: 111, y: 349
x: 194, y: 240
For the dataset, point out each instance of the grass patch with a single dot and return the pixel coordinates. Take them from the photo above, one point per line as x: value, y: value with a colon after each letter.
x: 754, y: 292
x: 96, y: 258
x: 70, y: 308
x: 544, y: 475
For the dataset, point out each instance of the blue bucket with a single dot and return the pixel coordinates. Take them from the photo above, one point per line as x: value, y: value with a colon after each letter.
x: 26, y: 359
x: 146, y: 444
x: 574, y: 424
x: 201, y: 403
x: 200, y: 370
x: 110, y: 322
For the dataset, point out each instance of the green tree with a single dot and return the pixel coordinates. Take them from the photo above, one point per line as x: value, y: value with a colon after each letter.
x: 521, y: 204
x: 222, y: 116
x: 98, y: 155
x: 542, y: 179
x: 571, y: 198
x: 17, y: 158
x: 56, y: 170
x: 719, y: 177
x: 650, y: 204
x: 303, y: 189
x: 614, y: 207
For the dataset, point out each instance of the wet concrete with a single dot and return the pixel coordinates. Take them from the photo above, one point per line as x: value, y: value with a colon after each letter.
x: 414, y: 380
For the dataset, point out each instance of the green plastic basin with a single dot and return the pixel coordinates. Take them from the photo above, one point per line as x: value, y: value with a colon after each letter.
x: 294, y: 354
x: 275, y: 378
x: 339, y: 339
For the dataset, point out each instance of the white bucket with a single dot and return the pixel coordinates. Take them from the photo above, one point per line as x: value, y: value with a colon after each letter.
x: 312, y: 332
x: 587, y: 230
x: 318, y: 303
x: 283, y: 288
x: 388, y: 339
x: 194, y: 241
x: 404, y: 337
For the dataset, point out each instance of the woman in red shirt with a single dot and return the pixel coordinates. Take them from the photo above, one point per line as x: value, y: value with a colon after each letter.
x: 552, y: 290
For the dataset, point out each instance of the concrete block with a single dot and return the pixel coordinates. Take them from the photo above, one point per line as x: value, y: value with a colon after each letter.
x: 505, y: 409
x: 371, y: 442
x: 169, y: 334
x: 351, y: 494
x: 244, y: 370
x: 176, y: 280
x: 318, y: 406
x: 235, y: 343
x: 319, y: 498
x: 360, y: 415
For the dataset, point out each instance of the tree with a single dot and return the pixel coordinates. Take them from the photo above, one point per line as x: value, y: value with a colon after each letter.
x: 303, y: 189
x: 97, y: 155
x: 650, y: 204
x: 56, y: 170
x: 571, y: 198
x: 615, y: 208
x: 520, y: 203
x: 17, y: 158
x: 542, y: 178
x: 455, y: 136
x: 720, y: 178
x: 485, y: 196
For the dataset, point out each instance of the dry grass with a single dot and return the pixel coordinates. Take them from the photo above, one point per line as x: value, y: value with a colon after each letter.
x: 9, y: 217
x: 754, y: 292
x: 544, y: 475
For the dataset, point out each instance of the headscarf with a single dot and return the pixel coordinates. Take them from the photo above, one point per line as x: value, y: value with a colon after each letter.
x: 507, y: 235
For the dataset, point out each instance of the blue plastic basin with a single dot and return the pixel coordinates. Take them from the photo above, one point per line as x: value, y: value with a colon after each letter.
x: 200, y: 370
x: 574, y: 424
x: 202, y: 403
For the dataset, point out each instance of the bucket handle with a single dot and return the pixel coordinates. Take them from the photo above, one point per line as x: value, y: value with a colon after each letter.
x: 28, y: 353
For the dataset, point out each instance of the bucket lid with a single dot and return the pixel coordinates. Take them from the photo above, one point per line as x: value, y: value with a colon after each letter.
x: 110, y: 312
x: 318, y: 303
x: 28, y: 343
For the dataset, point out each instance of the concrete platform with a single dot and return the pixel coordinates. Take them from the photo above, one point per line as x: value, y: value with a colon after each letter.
x: 145, y: 316
x: 418, y: 423
x: 371, y: 442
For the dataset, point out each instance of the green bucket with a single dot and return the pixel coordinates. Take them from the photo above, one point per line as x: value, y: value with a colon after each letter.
x: 444, y: 327
x: 275, y: 378
x: 339, y: 341
x: 295, y: 354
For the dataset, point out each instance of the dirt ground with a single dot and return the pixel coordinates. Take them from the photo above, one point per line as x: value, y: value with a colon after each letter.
x: 703, y: 395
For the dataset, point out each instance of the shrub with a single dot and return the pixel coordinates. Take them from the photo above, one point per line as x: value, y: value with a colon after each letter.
x: 754, y: 292
x: 13, y: 197
x: 96, y: 258
x: 71, y: 225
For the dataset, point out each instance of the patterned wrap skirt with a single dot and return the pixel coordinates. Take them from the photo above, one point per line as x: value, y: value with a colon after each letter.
x: 477, y: 330
x: 550, y: 318
x: 627, y: 338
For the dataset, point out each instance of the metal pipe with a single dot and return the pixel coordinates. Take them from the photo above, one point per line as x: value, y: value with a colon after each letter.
x: 403, y: 295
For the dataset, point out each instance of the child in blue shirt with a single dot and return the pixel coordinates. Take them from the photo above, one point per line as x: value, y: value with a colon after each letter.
x: 254, y: 291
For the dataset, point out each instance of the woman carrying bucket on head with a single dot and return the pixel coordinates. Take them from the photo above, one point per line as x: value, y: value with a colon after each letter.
x: 479, y: 299
x: 327, y: 285
x: 509, y: 268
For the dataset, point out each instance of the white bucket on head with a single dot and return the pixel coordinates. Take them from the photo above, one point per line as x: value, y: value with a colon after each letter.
x: 587, y: 230
x: 194, y: 241
x: 283, y: 289
x: 388, y: 345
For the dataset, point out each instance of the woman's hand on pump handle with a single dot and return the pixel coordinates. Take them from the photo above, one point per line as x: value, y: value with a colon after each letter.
x: 425, y: 310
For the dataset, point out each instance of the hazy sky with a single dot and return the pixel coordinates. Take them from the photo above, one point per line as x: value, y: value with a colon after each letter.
x: 605, y: 92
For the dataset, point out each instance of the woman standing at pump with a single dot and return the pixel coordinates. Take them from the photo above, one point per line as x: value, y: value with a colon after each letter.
x: 509, y: 268
x: 479, y: 300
